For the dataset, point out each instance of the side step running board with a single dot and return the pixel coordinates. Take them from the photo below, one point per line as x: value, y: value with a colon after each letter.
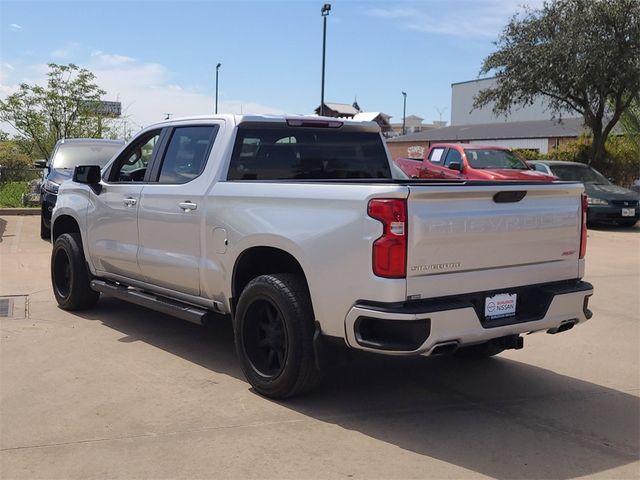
x: 155, y: 302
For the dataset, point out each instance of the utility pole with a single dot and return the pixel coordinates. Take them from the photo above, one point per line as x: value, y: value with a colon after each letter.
x: 326, y: 8
x: 404, y: 112
x: 217, y: 69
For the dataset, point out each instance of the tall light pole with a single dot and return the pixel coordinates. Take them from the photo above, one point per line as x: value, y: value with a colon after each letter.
x: 404, y: 111
x: 217, y: 69
x: 326, y: 8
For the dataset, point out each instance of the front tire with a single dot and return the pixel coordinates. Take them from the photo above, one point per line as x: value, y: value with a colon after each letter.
x: 70, y: 276
x: 274, y: 327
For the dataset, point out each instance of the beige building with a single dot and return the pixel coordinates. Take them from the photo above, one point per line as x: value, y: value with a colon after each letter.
x: 539, y: 135
x: 415, y: 124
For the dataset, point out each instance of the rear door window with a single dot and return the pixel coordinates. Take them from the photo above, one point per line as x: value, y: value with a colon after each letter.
x: 186, y: 154
x: 289, y: 153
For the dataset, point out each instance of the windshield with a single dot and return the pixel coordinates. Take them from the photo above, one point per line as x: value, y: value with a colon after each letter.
x: 579, y: 173
x: 69, y: 155
x: 493, y: 159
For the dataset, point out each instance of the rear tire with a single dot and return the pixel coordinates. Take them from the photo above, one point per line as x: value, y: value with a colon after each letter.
x: 482, y: 350
x: 70, y: 276
x: 273, y: 329
x: 45, y: 233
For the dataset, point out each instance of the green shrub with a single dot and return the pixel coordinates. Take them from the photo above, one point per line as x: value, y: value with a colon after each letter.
x: 11, y: 194
x: 14, y: 165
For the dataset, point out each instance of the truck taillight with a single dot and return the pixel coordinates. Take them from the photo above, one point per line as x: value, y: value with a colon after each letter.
x: 390, y: 250
x: 583, y: 231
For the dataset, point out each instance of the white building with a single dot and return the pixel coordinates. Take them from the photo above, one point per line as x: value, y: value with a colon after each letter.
x: 463, y: 113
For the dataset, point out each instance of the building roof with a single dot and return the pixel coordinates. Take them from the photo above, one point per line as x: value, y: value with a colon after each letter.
x: 569, y: 127
x: 475, y: 80
x: 371, y: 116
x: 342, y: 108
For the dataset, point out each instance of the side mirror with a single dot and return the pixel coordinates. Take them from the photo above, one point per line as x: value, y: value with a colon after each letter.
x: 456, y: 166
x: 611, y: 179
x: 40, y: 163
x: 88, y: 175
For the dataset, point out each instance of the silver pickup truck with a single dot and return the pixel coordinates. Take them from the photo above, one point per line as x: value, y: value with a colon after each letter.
x: 300, y: 229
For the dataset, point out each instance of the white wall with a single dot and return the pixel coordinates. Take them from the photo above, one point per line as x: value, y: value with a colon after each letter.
x: 540, y: 144
x: 462, y: 95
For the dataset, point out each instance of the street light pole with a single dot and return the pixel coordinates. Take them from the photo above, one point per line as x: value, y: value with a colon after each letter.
x: 404, y: 111
x: 217, y: 69
x: 326, y: 8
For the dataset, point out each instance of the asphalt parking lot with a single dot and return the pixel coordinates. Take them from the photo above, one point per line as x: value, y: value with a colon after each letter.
x: 123, y: 392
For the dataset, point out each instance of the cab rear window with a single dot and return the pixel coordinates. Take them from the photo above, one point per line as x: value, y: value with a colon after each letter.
x: 290, y: 153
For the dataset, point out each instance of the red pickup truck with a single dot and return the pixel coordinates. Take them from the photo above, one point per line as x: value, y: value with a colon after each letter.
x: 472, y: 162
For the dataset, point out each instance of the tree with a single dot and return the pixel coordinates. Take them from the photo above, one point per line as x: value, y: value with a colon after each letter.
x: 64, y: 108
x: 581, y: 55
x: 630, y: 122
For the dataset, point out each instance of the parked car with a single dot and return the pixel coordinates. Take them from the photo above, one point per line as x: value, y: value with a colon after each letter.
x: 471, y: 162
x: 66, y: 154
x: 608, y: 203
x: 297, y: 229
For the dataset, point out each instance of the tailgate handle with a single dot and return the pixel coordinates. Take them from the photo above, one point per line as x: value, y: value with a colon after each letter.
x: 509, y: 197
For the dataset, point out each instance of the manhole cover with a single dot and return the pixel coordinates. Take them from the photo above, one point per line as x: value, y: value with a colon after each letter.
x: 13, y: 307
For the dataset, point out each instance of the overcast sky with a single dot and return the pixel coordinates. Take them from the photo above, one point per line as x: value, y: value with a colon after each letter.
x: 159, y: 56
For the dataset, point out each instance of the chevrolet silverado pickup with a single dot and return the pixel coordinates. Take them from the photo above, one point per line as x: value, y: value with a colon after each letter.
x: 298, y: 229
x: 471, y: 162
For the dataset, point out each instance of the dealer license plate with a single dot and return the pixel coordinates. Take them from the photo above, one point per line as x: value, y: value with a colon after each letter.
x: 628, y: 212
x: 500, y: 305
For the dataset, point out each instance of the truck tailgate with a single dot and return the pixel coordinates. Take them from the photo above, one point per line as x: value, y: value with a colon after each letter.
x: 472, y: 238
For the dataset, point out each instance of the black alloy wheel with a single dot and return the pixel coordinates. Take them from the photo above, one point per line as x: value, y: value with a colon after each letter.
x: 61, y: 270
x: 265, y: 338
x: 274, y: 329
x: 70, y: 276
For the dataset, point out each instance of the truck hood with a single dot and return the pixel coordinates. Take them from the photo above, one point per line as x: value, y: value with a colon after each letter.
x: 609, y: 192
x: 59, y: 175
x: 513, y: 174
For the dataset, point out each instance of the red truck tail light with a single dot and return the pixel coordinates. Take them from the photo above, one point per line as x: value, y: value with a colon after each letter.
x: 583, y: 228
x: 390, y: 250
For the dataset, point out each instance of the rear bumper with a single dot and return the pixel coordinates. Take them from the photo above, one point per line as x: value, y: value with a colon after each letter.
x: 417, y: 327
x: 610, y: 213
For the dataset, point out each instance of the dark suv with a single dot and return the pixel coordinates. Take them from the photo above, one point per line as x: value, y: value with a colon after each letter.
x: 66, y: 155
x: 608, y: 203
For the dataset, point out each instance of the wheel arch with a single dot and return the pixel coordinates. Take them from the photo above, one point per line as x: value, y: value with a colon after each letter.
x: 64, y: 224
x: 261, y: 260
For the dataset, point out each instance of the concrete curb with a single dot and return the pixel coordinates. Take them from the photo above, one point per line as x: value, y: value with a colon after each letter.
x: 19, y: 211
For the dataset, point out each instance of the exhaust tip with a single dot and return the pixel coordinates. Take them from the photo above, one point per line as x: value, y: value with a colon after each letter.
x: 563, y: 327
x: 445, y: 348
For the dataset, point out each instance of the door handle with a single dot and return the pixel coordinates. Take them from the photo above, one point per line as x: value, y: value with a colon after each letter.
x: 130, y: 202
x: 188, y: 206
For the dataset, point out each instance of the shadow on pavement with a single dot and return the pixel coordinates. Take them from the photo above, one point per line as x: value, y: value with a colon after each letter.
x: 3, y: 227
x: 497, y: 417
x: 615, y: 228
